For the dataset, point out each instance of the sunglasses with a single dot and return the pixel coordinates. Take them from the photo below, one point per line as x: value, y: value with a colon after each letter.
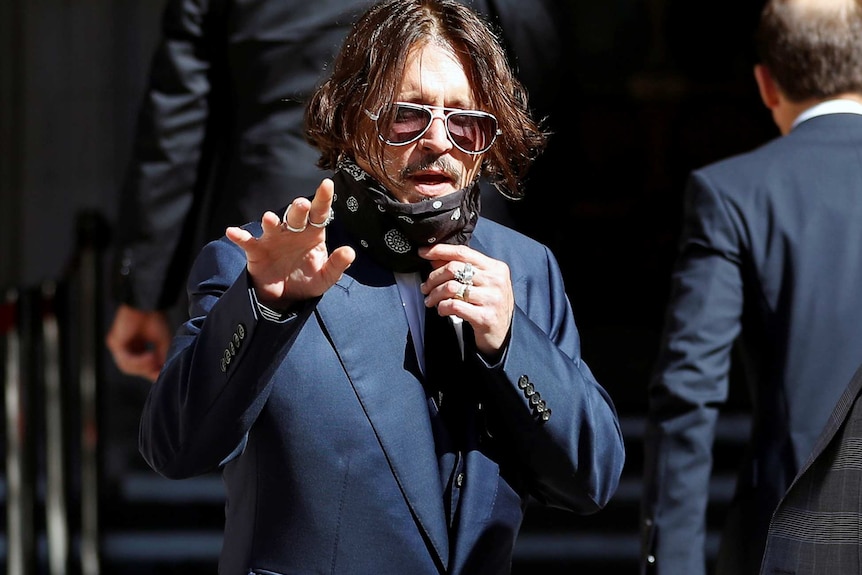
x: 402, y: 123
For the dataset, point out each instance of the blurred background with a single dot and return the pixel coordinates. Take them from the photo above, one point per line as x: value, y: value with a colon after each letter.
x: 652, y: 90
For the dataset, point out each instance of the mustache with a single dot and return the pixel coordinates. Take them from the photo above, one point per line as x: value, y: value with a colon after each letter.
x: 437, y: 163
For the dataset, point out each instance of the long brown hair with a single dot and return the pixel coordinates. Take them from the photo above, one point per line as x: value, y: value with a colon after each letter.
x: 368, y: 70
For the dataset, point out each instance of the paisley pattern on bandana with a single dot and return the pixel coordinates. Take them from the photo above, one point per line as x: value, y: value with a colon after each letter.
x: 391, y: 231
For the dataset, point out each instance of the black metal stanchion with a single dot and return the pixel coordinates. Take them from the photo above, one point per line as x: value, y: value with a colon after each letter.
x: 57, y: 522
x: 92, y: 240
x: 50, y: 346
x: 21, y: 548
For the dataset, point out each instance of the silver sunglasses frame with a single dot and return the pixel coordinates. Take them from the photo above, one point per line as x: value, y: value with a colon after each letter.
x: 447, y: 112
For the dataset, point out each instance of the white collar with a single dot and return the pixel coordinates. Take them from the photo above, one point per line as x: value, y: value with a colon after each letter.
x: 839, y: 106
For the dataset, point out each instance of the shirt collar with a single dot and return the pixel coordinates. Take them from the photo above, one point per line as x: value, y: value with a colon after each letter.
x: 838, y: 106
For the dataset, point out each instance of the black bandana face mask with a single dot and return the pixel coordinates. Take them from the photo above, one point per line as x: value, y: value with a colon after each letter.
x: 391, y: 231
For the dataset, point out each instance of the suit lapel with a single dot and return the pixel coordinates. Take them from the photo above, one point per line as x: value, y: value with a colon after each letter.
x: 363, y: 317
x: 836, y: 419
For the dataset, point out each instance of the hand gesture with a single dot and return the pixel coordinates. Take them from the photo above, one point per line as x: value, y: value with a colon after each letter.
x: 289, y: 262
x: 478, y: 289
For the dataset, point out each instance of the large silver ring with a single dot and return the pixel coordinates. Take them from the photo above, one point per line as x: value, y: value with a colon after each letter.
x: 287, y: 226
x: 465, y: 275
x: 464, y: 292
x: 326, y: 221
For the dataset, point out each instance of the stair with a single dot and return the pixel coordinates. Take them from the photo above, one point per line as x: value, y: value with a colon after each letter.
x: 160, y: 526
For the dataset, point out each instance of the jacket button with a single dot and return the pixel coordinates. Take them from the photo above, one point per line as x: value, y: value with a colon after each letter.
x: 650, y: 559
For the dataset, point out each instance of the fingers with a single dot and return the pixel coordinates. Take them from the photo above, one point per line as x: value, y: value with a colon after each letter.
x: 458, y: 284
x: 463, y: 292
x: 271, y: 223
x: 321, y: 214
x: 237, y: 235
x: 455, y: 266
x: 295, y: 218
x: 470, y: 285
x: 138, y: 341
x: 144, y: 364
x: 299, y: 216
x: 317, y: 214
x: 338, y: 262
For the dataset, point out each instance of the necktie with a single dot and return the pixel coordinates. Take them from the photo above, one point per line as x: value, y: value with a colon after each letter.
x: 443, y: 370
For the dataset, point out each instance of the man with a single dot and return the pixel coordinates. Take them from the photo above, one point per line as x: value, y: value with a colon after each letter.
x: 219, y: 138
x: 347, y: 445
x: 816, y: 527
x: 771, y: 251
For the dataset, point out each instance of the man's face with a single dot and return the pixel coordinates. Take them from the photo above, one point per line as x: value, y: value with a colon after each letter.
x: 432, y: 166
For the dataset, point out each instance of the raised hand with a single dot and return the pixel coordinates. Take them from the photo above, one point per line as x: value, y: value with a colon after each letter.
x: 289, y: 262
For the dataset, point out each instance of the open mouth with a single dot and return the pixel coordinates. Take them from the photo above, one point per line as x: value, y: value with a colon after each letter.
x: 430, y: 179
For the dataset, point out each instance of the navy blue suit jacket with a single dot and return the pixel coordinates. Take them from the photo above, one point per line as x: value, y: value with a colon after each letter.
x: 771, y: 259
x: 326, y: 436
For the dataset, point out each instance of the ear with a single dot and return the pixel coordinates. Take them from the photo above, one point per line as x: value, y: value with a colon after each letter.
x: 768, y: 89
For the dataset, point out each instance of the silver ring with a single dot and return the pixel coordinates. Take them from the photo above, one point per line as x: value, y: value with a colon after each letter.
x: 464, y: 292
x: 287, y: 226
x: 328, y: 220
x: 465, y: 275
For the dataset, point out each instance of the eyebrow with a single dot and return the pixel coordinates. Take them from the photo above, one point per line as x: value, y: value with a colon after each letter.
x: 457, y: 104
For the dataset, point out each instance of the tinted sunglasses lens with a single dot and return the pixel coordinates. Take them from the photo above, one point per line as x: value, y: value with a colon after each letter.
x: 472, y: 132
x: 407, y: 123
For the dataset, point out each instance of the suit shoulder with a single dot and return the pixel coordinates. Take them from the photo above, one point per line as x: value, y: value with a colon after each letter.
x: 489, y: 229
x: 814, y: 142
x: 507, y: 244
x: 744, y: 163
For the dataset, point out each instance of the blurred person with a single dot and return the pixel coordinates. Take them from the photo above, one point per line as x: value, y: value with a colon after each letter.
x: 311, y: 375
x: 815, y: 528
x: 770, y: 264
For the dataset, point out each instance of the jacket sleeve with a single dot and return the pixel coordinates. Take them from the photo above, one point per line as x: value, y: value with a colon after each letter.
x: 554, y: 417
x: 689, y: 382
x: 198, y: 412
x: 175, y: 142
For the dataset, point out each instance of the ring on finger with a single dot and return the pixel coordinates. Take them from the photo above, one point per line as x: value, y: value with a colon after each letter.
x: 465, y: 274
x: 287, y: 226
x: 326, y: 221
x: 463, y: 293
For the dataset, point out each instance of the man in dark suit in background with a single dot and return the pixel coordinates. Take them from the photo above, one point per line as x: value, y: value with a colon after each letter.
x: 817, y: 527
x: 219, y: 137
x: 771, y: 252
